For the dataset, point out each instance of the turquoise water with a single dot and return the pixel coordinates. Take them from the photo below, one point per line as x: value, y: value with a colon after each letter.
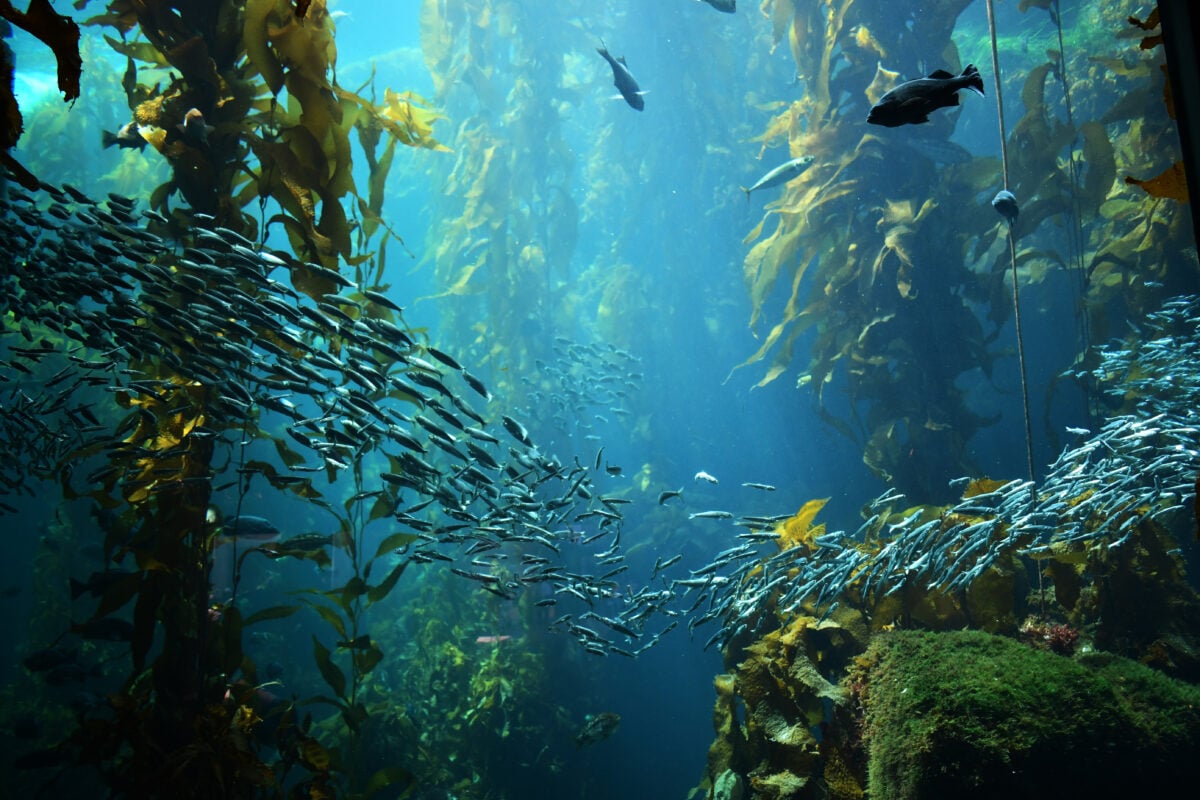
x: 599, y: 270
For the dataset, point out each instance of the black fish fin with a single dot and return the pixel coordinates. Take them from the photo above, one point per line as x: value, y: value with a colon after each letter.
x: 622, y: 60
x: 974, y: 79
x: 940, y: 74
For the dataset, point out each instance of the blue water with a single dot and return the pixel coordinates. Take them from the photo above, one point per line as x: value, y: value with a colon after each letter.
x: 669, y: 218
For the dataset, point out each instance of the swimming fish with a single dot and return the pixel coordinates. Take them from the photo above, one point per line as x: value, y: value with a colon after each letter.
x: 726, y: 6
x: 910, y: 103
x: 704, y: 476
x: 597, y: 727
x: 781, y: 174
x: 623, y: 79
x: 663, y: 497
x: 1005, y: 203
x: 127, y: 135
x: 194, y: 129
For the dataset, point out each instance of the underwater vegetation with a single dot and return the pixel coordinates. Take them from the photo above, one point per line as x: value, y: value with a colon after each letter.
x: 265, y: 121
x: 61, y: 35
x: 895, y: 287
x: 291, y: 374
x: 1086, y: 560
x: 506, y: 223
x: 955, y: 713
x: 157, y: 426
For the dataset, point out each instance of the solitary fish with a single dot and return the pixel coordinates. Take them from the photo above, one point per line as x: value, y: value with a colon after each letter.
x: 727, y: 6
x: 781, y: 174
x: 127, y: 135
x: 194, y: 129
x: 623, y: 79
x: 911, y: 103
x: 597, y: 728
x: 246, y: 526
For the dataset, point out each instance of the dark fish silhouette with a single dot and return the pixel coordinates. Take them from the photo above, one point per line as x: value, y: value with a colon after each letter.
x: 194, y: 129
x: 728, y: 6
x: 623, y: 79
x: 127, y: 135
x: 597, y: 728
x: 911, y: 103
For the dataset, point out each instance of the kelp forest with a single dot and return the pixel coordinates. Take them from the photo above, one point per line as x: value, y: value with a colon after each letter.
x: 368, y: 442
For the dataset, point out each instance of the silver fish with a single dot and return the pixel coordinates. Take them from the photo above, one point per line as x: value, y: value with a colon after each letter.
x: 783, y: 173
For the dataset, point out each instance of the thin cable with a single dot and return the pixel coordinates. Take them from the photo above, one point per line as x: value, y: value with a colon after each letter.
x: 1012, y: 254
x: 1012, y: 245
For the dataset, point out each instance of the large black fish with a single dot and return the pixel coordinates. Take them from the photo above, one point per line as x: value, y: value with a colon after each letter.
x: 911, y: 103
x: 623, y: 79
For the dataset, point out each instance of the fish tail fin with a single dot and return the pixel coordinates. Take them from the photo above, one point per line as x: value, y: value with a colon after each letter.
x: 974, y: 80
x: 107, y: 139
x: 747, y: 191
x: 77, y: 588
x: 602, y: 49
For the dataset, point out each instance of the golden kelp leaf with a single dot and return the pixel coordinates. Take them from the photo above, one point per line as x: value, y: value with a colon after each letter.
x: 142, y: 51
x: 459, y: 287
x: 884, y: 81
x: 781, y: 15
x: 1034, y: 91
x: 983, y: 486
x: 799, y: 529
x: 413, y: 119
x: 314, y: 756
x: 330, y: 616
x: 437, y: 40
x: 255, y: 40
x: 1101, y: 164
x: 757, y: 231
x: 867, y: 41
x: 1171, y: 184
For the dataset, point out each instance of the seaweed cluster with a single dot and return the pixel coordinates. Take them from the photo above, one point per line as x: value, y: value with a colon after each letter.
x: 61, y: 35
x: 159, y: 427
x: 886, y: 296
x: 506, y: 223
x: 1088, y: 557
x: 260, y: 75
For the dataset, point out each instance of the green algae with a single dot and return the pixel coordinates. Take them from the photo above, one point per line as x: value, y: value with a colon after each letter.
x: 966, y: 712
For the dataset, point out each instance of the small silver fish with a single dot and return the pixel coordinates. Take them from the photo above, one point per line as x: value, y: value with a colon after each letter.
x: 782, y: 174
x: 711, y: 515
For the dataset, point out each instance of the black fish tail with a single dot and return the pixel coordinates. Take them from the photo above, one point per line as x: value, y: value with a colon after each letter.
x: 974, y: 81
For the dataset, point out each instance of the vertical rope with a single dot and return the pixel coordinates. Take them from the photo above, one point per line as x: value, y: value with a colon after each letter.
x: 1012, y: 254
x: 1012, y: 245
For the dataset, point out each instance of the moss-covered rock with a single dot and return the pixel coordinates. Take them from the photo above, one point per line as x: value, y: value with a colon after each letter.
x: 968, y: 714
